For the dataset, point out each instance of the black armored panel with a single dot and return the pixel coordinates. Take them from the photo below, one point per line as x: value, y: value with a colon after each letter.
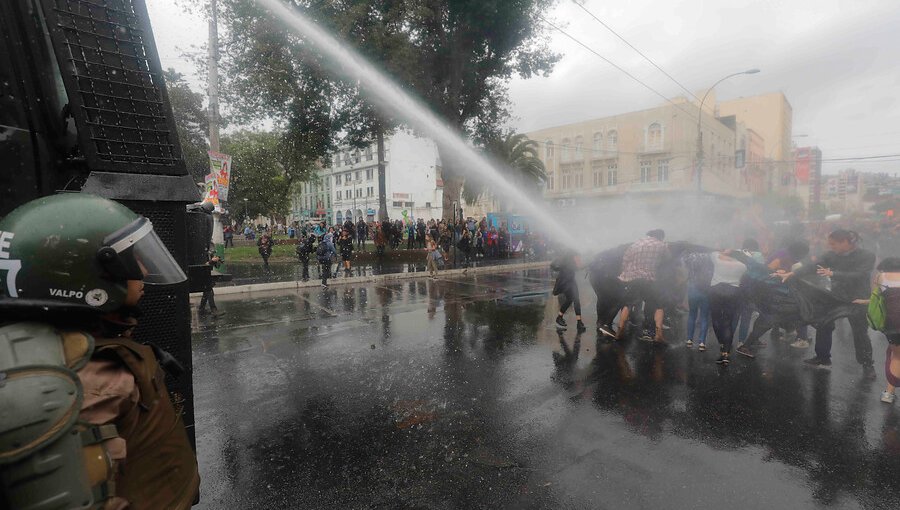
x: 129, y: 145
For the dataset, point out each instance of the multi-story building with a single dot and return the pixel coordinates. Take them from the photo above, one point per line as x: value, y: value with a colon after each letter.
x: 312, y: 199
x: 808, y: 175
x: 770, y: 116
x: 844, y: 192
x: 412, y: 185
x: 650, y: 151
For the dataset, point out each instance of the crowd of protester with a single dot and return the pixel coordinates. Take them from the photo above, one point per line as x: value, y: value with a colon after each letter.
x: 472, y: 240
x: 743, y: 292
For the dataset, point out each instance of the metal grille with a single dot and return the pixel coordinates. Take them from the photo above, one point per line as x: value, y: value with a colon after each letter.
x: 115, y: 84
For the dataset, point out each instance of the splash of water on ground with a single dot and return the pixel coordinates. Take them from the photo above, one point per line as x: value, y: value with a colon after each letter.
x: 389, y: 96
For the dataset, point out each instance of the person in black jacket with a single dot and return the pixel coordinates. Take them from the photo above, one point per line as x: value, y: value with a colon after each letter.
x: 567, y: 289
x: 264, y: 245
x: 850, y: 269
x: 304, y: 249
x: 208, y: 297
x: 604, y: 278
x: 345, y: 247
x: 465, y: 247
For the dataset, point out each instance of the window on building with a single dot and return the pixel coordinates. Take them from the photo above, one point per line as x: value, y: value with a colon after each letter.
x: 369, y: 174
x: 337, y: 180
x: 612, y: 140
x: 407, y: 204
x: 579, y: 176
x: 579, y: 148
x: 398, y: 204
x: 428, y: 205
x: 370, y: 191
x: 612, y: 175
x: 564, y: 150
x: 337, y: 196
x: 662, y: 170
x: 347, y: 177
x: 346, y: 158
x: 598, y: 144
x: 566, y: 178
x: 550, y: 182
x: 646, y: 172
x: 356, y: 175
x: 598, y: 178
x: 548, y: 151
x: 654, y: 136
x: 347, y: 193
x: 369, y: 153
x: 356, y: 156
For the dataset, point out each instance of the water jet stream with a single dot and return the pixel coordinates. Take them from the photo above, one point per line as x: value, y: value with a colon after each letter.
x: 387, y: 95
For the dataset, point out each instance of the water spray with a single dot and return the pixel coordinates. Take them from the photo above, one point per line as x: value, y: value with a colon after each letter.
x: 387, y: 95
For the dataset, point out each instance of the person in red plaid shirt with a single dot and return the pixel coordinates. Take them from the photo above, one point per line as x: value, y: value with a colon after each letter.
x: 639, y: 266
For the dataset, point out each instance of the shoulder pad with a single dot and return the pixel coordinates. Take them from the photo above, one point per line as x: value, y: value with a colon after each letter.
x: 38, y: 404
x: 41, y: 454
x: 36, y: 344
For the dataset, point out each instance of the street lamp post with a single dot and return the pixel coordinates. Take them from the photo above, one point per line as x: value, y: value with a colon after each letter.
x: 700, y: 130
x: 246, y: 210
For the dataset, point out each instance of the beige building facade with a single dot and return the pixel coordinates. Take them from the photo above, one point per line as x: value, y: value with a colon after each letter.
x: 770, y: 116
x: 649, y: 151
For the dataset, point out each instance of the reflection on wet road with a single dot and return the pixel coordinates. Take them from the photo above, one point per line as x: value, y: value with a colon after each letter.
x: 458, y: 393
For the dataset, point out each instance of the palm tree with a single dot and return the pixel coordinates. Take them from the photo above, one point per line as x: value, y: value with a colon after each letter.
x: 520, y: 162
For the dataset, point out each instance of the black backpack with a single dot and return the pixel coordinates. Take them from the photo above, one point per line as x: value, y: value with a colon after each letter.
x: 322, y: 250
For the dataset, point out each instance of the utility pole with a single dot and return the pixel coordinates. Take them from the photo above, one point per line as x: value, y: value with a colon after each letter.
x: 213, y: 65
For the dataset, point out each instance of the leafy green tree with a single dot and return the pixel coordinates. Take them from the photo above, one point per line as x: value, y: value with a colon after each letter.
x: 467, y: 51
x: 274, y: 77
x: 257, y: 174
x: 456, y: 55
x: 376, y: 28
x: 518, y: 156
x: 190, y: 122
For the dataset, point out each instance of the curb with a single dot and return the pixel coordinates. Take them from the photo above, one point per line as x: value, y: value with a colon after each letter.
x: 296, y: 285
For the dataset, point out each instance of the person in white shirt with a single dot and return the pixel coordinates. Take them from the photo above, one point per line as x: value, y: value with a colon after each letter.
x: 725, y: 300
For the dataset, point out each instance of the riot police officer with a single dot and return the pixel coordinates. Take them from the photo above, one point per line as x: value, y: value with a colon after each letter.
x: 85, y: 417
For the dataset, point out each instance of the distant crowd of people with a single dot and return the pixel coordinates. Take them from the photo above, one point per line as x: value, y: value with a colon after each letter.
x: 472, y: 239
x: 744, y: 293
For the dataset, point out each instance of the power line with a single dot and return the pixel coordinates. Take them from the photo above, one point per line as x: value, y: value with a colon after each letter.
x: 618, y: 67
x: 639, y: 52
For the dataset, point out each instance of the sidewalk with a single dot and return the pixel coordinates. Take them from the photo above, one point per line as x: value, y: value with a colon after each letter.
x: 370, y: 274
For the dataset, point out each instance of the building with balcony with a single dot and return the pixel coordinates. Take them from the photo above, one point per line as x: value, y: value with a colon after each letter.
x: 350, y: 176
x: 650, y: 151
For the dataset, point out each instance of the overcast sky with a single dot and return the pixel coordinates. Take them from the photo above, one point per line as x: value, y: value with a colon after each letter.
x: 838, y: 63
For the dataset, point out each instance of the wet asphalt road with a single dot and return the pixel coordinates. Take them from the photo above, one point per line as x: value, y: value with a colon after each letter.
x: 458, y: 393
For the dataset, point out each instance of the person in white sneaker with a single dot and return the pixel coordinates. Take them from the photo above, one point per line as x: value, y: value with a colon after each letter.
x: 889, y: 281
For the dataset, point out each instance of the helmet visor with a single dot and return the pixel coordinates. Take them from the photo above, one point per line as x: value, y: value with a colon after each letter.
x: 139, y: 243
